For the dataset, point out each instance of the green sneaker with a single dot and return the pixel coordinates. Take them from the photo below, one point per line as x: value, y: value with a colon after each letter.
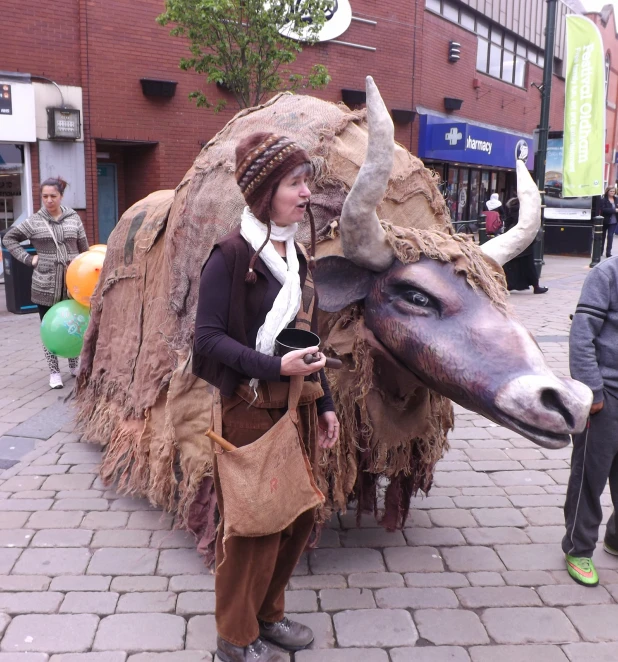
x: 582, y: 570
x: 609, y: 549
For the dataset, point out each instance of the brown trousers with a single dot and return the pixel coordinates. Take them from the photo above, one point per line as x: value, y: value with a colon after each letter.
x: 250, y: 585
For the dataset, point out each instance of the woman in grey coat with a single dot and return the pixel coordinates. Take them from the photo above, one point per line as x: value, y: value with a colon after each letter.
x: 58, y: 236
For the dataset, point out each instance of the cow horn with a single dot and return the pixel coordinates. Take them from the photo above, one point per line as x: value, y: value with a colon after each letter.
x: 362, y: 237
x: 512, y: 243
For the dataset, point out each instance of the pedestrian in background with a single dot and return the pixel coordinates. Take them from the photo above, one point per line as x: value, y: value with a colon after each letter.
x: 593, y: 360
x: 494, y: 216
x: 520, y: 272
x: 607, y: 208
x: 58, y: 236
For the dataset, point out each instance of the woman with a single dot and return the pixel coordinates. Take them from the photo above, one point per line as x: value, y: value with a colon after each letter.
x: 608, y: 211
x: 494, y: 217
x: 520, y: 272
x: 255, y: 283
x: 58, y: 236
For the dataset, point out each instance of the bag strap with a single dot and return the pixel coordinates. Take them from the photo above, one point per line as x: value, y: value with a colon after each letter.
x: 307, y: 298
x: 53, y: 236
x: 216, y: 422
x: 296, y: 388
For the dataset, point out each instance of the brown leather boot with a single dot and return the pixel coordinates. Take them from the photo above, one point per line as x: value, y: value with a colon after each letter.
x: 258, y: 651
x: 290, y: 635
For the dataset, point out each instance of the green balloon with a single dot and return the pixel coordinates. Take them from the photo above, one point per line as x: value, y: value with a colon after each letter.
x: 63, y: 328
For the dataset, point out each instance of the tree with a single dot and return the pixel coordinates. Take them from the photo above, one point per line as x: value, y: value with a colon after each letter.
x: 238, y: 44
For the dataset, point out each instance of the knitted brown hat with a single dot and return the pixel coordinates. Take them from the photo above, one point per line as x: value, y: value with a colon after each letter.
x: 262, y: 161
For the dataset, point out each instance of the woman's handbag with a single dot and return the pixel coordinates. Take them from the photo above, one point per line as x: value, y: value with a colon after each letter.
x: 267, y: 484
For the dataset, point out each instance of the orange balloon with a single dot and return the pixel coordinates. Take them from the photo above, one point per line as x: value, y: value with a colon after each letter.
x: 83, y: 275
x: 102, y: 248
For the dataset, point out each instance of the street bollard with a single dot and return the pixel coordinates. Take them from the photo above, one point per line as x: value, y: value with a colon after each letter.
x: 597, y: 241
x: 482, y: 229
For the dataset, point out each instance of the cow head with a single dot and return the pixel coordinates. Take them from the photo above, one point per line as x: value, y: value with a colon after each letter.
x: 427, y: 314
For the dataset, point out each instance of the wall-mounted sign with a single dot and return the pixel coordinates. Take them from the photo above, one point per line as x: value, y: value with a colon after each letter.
x: 6, y: 102
x: 338, y: 19
x: 442, y: 139
x: 17, y: 116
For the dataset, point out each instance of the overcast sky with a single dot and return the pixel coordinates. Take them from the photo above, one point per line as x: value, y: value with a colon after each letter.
x: 595, y: 5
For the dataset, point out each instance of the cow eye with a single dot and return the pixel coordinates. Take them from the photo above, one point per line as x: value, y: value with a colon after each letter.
x: 417, y: 298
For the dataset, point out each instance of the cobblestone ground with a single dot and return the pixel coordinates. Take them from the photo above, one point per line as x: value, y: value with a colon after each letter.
x: 476, y: 575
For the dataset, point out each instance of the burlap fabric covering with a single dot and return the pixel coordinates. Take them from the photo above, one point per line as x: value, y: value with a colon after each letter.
x: 136, y: 395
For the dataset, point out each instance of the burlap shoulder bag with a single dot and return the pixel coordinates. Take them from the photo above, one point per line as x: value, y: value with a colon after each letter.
x: 267, y: 484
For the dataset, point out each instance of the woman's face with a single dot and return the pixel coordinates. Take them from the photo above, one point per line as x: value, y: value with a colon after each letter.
x: 51, y: 199
x: 292, y: 197
x: 611, y: 192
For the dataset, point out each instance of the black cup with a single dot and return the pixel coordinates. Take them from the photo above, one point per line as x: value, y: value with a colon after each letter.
x: 290, y: 339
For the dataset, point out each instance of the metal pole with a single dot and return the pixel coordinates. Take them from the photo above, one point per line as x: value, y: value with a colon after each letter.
x: 541, y: 155
x: 597, y: 241
x: 482, y: 229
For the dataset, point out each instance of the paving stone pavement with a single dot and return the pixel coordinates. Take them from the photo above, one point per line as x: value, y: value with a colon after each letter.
x: 477, y: 574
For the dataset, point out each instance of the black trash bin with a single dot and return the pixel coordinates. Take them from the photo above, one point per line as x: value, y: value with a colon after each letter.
x: 17, y: 282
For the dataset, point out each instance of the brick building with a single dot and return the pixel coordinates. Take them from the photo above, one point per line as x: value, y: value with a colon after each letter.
x: 111, y: 60
x: 605, y: 20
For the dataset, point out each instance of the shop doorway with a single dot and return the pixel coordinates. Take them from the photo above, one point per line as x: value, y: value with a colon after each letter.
x: 107, y: 183
x: 13, y: 207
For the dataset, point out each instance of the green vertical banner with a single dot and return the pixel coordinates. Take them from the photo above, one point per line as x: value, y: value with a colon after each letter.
x: 584, y: 110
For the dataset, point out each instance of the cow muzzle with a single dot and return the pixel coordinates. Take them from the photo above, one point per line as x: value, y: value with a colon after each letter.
x: 544, y: 409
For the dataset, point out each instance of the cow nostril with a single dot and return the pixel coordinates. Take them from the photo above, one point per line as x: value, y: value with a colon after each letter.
x: 551, y: 400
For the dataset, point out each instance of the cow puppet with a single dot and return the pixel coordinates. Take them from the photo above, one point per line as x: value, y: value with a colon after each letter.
x: 418, y: 315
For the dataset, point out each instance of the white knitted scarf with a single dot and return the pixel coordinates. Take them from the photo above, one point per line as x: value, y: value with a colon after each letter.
x: 287, y: 302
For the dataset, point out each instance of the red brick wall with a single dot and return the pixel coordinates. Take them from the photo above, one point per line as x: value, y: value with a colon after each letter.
x: 610, y: 44
x: 495, y: 102
x: 41, y: 41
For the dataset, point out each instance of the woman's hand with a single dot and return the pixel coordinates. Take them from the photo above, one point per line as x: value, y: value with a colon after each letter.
x: 35, y: 260
x: 328, y: 429
x: 293, y: 362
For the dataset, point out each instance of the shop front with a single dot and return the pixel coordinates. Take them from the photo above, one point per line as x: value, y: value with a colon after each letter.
x: 472, y: 160
x: 17, y: 132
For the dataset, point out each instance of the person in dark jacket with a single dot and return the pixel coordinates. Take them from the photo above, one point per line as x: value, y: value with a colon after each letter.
x: 494, y: 216
x: 255, y: 283
x: 607, y: 209
x: 593, y: 360
x: 520, y: 272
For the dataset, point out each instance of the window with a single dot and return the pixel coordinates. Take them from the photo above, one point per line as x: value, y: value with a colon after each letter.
x: 520, y: 71
x: 467, y: 20
x: 481, y: 55
x: 450, y: 11
x: 482, y: 28
x: 508, y: 66
x: 497, y: 57
x: 498, y: 54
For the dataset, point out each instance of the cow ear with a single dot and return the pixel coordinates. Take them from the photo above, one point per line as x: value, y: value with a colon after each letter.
x: 340, y: 282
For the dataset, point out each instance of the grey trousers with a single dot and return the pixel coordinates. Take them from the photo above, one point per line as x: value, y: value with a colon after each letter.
x: 594, y: 461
